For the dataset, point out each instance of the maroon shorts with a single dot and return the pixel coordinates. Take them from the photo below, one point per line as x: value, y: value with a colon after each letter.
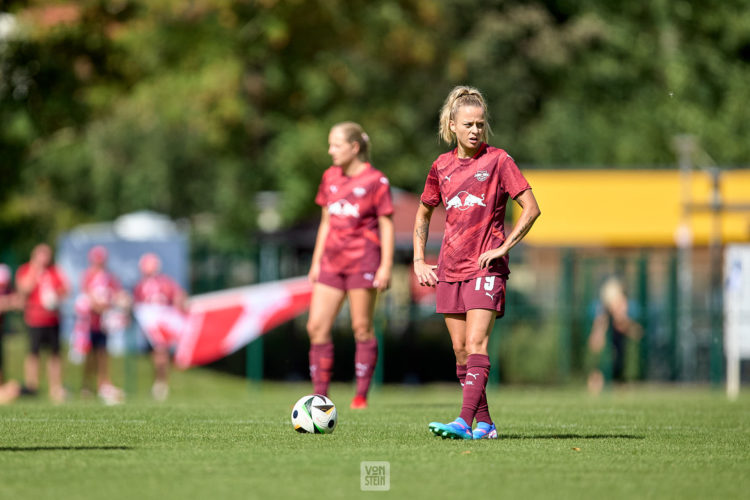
x: 344, y: 281
x: 457, y: 297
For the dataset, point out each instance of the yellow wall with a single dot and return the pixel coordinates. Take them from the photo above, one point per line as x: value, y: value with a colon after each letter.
x: 630, y: 208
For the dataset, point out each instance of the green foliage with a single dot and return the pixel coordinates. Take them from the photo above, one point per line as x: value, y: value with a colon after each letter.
x: 189, y: 108
x: 528, y: 354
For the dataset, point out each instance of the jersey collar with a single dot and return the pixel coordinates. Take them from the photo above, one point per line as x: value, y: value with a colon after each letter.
x: 479, y: 152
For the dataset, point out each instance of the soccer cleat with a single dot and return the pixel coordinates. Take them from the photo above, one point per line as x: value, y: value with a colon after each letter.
x: 458, y: 429
x: 485, y: 431
x: 111, y: 395
x: 160, y: 391
x: 358, y: 403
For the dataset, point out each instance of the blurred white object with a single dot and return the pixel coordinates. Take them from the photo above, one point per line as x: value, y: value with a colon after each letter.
x: 145, y: 225
x: 736, y: 313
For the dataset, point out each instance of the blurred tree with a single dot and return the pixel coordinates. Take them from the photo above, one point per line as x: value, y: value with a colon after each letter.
x: 189, y: 108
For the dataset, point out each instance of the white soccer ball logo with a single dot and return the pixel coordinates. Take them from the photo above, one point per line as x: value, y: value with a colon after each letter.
x: 314, y: 414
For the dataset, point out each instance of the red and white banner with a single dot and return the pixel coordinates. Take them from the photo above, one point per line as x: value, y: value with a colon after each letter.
x: 162, y: 325
x: 222, y: 322
x: 219, y: 323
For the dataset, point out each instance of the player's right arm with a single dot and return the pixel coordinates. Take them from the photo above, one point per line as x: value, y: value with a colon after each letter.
x: 425, y: 272
x: 320, y: 242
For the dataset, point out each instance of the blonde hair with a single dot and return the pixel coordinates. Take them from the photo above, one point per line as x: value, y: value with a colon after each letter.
x: 461, y: 96
x: 353, y: 132
x: 612, y: 292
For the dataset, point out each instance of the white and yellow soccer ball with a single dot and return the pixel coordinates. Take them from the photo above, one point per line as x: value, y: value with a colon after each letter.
x: 314, y: 414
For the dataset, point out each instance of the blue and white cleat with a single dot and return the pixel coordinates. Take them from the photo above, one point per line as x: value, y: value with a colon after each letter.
x: 485, y: 431
x: 458, y: 429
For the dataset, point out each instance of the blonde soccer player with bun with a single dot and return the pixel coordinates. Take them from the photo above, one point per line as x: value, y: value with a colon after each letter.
x: 353, y: 256
x: 474, y: 182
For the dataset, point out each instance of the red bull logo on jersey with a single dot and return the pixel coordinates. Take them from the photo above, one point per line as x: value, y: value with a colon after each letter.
x: 344, y: 209
x: 464, y: 200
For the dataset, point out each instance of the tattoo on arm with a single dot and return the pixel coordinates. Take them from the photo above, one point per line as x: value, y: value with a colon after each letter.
x: 521, y: 232
x: 422, y: 229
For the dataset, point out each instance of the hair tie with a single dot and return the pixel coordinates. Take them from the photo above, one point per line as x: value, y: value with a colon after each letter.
x: 365, y: 137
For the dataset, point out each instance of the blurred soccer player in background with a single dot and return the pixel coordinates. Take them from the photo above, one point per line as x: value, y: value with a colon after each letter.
x: 158, y: 288
x: 100, y: 288
x: 353, y: 256
x: 474, y: 182
x: 42, y: 286
x: 612, y: 325
x: 8, y: 301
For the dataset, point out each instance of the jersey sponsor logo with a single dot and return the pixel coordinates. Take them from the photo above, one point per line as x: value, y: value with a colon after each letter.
x: 482, y: 175
x: 344, y: 209
x: 464, y: 201
x: 447, y: 178
x: 359, y: 192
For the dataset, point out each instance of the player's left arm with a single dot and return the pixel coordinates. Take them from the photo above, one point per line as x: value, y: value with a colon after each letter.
x: 387, y: 241
x: 529, y: 214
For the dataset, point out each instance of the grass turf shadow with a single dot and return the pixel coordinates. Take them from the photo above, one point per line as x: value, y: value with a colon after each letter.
x: 570, y: 436
x: 62, y: 448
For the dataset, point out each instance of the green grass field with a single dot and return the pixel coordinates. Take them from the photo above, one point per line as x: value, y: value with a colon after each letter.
x: 217, y: 438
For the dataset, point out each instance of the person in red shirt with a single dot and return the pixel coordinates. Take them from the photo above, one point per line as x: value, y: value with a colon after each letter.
x: 474, y: 182
x: 353, y: 256
x: 100, y: 289
x: 42, y: 286
x: 157, y: 288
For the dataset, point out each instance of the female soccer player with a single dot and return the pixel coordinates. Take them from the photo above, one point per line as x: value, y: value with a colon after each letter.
x: 474, y: 182
x: 353, y: 256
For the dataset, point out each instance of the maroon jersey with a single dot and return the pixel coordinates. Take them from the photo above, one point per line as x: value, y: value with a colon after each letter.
x: 354, y: 205
x: 159, y: 289
x: 475, y: 192
x: 101, y: 286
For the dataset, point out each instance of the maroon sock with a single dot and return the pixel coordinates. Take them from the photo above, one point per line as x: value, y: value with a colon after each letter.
x: 365, y: 358
x: 477, y: 371
x: 483, y: 410
x: 321, y: 366
x: 461, y: 373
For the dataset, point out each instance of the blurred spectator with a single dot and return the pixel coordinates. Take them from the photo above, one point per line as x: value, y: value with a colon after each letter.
x: 8, y: 301
x: 611, y: 327
x: 100, y: 291
x: 157, y: 288
x: 42, y: 286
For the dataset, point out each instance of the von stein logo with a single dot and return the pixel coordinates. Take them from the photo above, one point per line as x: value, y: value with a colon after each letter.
x: 482, y: 175
x: 375, y: 476
x: 464, y: 200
